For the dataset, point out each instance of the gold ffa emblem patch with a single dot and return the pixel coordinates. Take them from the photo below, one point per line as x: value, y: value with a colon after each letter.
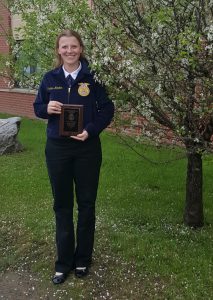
x: 83, y: 89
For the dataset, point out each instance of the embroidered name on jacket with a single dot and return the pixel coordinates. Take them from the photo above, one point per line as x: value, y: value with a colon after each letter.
x: 83, y: 89
x: 55, y: 88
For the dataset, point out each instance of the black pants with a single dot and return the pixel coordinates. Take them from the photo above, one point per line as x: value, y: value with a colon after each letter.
x: 72, y: 164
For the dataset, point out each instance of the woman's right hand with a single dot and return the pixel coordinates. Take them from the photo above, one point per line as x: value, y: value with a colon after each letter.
x: 54, y: 107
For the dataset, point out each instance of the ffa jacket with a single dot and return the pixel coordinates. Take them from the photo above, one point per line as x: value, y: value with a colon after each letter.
x: 98, y: 110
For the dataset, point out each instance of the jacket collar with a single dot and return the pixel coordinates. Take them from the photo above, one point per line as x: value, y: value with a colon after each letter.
x: 84, y: 70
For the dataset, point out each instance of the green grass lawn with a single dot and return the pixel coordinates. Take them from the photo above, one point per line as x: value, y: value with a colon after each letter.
x: 142, y: 249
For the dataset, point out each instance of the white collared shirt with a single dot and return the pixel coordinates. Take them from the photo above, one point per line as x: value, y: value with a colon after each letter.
x: 74, y: 74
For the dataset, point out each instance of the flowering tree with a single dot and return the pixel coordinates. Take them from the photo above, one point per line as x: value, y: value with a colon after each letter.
x: 154, y: 55
x: 160, y: 54
x: 42, y: 21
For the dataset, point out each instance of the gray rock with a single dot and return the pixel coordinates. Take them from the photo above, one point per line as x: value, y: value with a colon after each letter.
x: 9, y: 129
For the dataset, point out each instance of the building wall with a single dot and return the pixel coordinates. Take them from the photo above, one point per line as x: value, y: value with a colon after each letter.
x: 5, y: 21
x: 14, y: 101
x: 17, y: 102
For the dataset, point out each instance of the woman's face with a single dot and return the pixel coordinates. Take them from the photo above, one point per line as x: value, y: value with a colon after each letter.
x: 70, y: 50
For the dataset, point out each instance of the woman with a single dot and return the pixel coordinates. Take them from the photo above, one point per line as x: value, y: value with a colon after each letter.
x: 73, y: 162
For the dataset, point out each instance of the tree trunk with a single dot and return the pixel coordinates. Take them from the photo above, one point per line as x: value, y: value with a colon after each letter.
x: 193, y: 215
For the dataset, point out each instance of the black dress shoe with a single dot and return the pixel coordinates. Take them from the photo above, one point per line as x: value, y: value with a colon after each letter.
x: 81, y: 272
x: 58, y: 279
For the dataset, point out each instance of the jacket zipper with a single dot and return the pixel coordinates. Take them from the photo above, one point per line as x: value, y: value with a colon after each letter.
x: 69, y: 88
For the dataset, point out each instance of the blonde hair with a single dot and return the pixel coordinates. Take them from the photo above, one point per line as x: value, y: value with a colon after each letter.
x: 67, y: 33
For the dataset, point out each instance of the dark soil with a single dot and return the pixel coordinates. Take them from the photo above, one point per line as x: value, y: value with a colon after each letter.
x: 15, y: 286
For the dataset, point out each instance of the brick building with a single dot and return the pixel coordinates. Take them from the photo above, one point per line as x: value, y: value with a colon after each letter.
x: 5, y: 19
x: 13, y: 100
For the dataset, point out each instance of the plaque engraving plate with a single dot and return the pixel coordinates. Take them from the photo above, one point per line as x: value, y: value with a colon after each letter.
x: 71, y: 120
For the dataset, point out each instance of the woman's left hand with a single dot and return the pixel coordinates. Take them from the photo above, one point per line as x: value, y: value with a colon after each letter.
x: 81, y: 136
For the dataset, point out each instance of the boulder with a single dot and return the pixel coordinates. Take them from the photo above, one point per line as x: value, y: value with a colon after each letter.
x: 9, y: 129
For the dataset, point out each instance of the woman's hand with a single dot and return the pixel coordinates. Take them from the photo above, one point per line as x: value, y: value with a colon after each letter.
x: 81, y: 136
x: 54, y: 107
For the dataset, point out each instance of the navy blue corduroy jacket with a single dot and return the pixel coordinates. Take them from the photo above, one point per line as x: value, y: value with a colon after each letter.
x: 98, y: 109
